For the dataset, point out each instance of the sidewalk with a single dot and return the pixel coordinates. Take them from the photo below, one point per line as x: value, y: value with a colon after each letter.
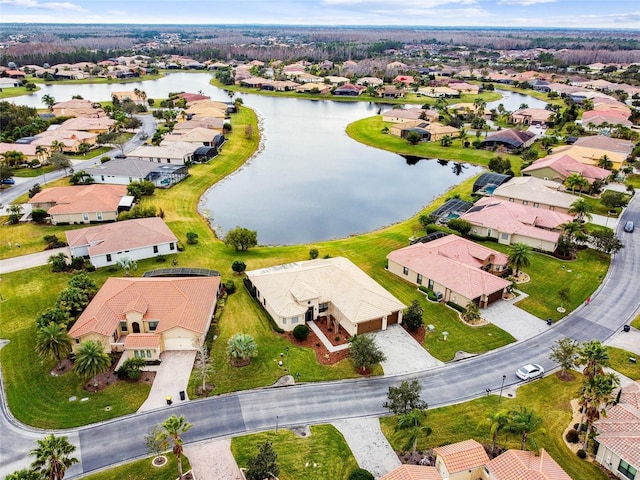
x: 31, y: 260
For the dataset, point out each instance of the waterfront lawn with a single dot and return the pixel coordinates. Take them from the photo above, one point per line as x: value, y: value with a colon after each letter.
x: 143, y: 470
x: 620, y: 362
x: 322, y: 454
x: 548, y: 397
x: 16, y: 92
x: 368, y: 131
x: 97, y: 80
x: 549, y: 275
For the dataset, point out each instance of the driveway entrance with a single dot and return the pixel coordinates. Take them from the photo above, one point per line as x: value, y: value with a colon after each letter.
x: 172, y: 377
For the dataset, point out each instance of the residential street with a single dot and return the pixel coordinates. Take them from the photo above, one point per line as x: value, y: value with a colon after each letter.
x: 613, y: 305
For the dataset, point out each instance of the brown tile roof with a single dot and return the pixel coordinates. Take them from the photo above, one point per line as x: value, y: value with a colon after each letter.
x: 565, y: 165
x: 81, y: 198
x: 141, y: 340
x: 413, y: 472
x: 186, y: 302
x: 606, y: 143
x: 521, y: 465
x: 462, y: 455
x: 120, y: 236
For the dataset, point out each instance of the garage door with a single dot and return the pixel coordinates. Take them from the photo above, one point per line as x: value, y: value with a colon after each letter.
x: 393, y: 318
x: 178, y: 344
x: 370, y: 326
x: 495, y: 296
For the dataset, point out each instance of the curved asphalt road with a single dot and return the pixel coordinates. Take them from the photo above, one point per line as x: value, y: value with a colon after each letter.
x: 104, y: 444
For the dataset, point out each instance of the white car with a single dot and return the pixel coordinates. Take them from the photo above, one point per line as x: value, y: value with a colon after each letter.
x: 530, y: 371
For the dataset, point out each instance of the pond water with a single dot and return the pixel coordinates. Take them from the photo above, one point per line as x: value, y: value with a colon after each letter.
x: 309, y: 181
x: 511, y: 101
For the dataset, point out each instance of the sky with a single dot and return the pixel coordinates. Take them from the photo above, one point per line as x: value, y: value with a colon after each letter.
x: 618, y: 14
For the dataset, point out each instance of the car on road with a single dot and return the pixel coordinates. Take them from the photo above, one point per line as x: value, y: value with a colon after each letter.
x: 629, y: 226
x: 529, y: 371
x: 120, y: 155
x: 8, y: 181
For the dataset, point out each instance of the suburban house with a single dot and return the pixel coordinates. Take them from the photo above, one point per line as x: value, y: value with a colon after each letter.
x: 370, y: 82
x: 178, y: 153
x: 27, y: 149
x: 146, y: 316
x: 123, y: 171
x: 511, y: 222
x: 531, y: 116
x: 78, y: 108
x: 136, y: 239
x: 467, y: 460
x: 200, y: 121
x: 591, y: 156
x: 508, y: 139
x: 82, y: 203
x: 536, y: 192
x: 332, y: 289
x: 606, y: 143
x: 599, y: 118
x: 198, y: 136
x: 348, y: 90
x: 459, y: 270
x: 560, y: 166
x: 402, y: 115
x: 618, y: 435
x: 439, y: 92
x: 70, y: 140
x: 88, y: 124
x: 315, y: 88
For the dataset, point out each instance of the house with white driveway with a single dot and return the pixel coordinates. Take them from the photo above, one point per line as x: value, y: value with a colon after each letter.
x: 177, y: 153
x: 136, y: 239
x: 146, y: 316
x: 332, y: 289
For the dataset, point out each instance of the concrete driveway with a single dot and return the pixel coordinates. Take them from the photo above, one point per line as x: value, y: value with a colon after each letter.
x: 404, y: 354
x: 172, y: 377
x: 629, y: 341
x: 29, y: 261
x: 510, y: 318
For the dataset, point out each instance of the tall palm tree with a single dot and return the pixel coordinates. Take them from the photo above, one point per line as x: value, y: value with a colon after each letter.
x: 53, y: 457
x: 581, y: 209
x: 41, y: 153
x: 57, y: 146
x: 174, y: 427
x: 594, y: 356
x: 595, y: 396
x: 576, y: 180
x: 524, y: 422
x: 53, y: 341
x: 496, y: 421
x: 412, y: 421
x: 241, y: 347
x: 91, y: 360
x: 605, y: 162
x: 49, y: 101
x: 519, y: 257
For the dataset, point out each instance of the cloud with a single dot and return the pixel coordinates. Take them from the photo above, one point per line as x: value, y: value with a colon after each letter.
x: 398, y: 4
x: 525, y: 3
x: 117, y: 13
x: 44, y: 5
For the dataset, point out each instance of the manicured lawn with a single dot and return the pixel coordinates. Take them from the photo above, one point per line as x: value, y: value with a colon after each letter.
x: 620, y: 362
x: 143, y: 470
x: 633, y: 179
x: 368, y: 131
x: 16, y: 92
x: 324, y: 454
x: 548, y: 397
x: 636, y: 322
x: 549, y: 275
x: 29, y: 236
x: 93, y: 153
x: 32, y: 172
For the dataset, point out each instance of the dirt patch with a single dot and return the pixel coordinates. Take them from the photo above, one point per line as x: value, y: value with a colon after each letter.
x: 110, y: 377
x: 65, y: 367
x: 566, y: 376
x: 204, y: 392
x: 418, y: 335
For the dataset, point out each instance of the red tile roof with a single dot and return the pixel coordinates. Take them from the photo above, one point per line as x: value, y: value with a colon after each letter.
x: 141, y: 340
x: 83, y: 198
x: 565, y: 165
x: 521, y: 465
x: 462, y: 456
x: 413, y: 472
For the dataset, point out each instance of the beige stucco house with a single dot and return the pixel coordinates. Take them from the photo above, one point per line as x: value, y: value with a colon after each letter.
x: 332, y: 289
x: 461, y: 461
x: 146, y: 316
x: 537, y: 193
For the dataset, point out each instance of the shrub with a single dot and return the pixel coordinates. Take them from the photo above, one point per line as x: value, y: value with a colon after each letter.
x: 238, y: 266
x: 90, y: 267
x: 301, y: 332
x: 77, y: 263
x: 192, y: 238
x: 131, y: 368
x: 572, y: 436
x: 313, y: 253
x: 105, y: 159
x: 34, y: 190
x: 457, y: 307
x: 38, y: 215
x: 161, y: 258
x: 581, y: 454
x: 229, y: 286
x: 361, y: 474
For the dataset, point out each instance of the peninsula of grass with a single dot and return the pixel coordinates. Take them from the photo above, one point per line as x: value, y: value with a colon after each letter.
x: 369, y: 132
x: 16, y: 92
x: 548, y: 397
x: 321, y: 455
x: 143, y: 470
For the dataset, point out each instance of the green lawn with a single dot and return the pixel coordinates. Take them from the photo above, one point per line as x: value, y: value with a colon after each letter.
x: 92, y: 153
x: 620, y: 362
x: 324, y: 454
x: 16, y: 92
x: 548, y: 397
x: 32, y: 172
x: 633, y: 179
x: 636, y: 322
x: 143, y: 470
x: 369, y: 132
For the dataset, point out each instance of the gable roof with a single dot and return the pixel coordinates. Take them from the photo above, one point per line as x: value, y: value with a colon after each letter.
x: 176, y: 150
x: 186, y: 302
x: 535, y: 190
x: 514, y: 138
x: 81, y: 198
x: 120, y: 236
x: 288, y: 288
x: 462, y: 455
x: 413, y: 472
x: 521, y: 465
x: 606, y: 143
x: 124, y: 167
x: 454, y: 262
x: 590, y: 155
x: 565, y: 165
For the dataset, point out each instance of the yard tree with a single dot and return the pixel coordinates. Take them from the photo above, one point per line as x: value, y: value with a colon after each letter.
x: 60, y: 161
x: 240, y: 348
x: 581, y: 209
x: 85, y: 283
x: 52, y: 314
x: 606, y: 241
x: 5, y: 172
x: 73, y: 300
x: 24, y: 474
x: 241, y: 238
x: 53, y: 341
x: 612, y: 199
x: 365, y: 352
x: 519, y: 257
x: 264, y: 465
x: 174, y: 427
x: 565, y: 352
x: 412, y: 316
x: 404, y: 398
x: 192, y: 238
x: 313, y: 253
x: 119, y: 142
x: 127, y: 264
x: 594, y: 356
x: 459, y: 225
x: 576, y: 181
x: 142, y: 188
x: 49, y: 101
x: 53, y: 457
x: 496, y: 422
x: 204, y: 368
x: 91, y: 360
x: 524, y: 422
x: 156, y: 442
x: 58, y: 262
x: 238, y: 266
x: 413, y: 138
x: 413, y: 422
x: 15, y: 213
x: 471, y: 314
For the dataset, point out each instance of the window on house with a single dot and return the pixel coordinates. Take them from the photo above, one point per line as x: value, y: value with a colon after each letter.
x: 511, y: 199
x: 283, y: 320
x: 323, y: 307
x: 294, y: 320
x: 108, y: 257
x: 431, y: 284
x: 155, y: 249
x: 153, y: 325
x: 123, y: 327
x: 102, y: 177
x: 536, y: 204
x: 504, y: 236
x: 419, y: 279
x: 405, y: 270
x: 524, y: 202
x: 627, y: 470
x: 77, y: 340
x: 99, y: 215
x: 148, y: 353
x: 85, y: 217
x: 135, y: 353
x: 172, y: 246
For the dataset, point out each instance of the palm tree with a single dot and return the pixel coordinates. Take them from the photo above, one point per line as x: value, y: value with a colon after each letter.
x: 53, y: 457
x: 575, y: 232
x: 605, y: 162
x: 41, y: 153
x: 57, y: 146
x: 24, y: 474
x: 576, y: 180
x: 53, y: 341
x: 519, y: 257
x: 127, y: 264
x: 175, y: 426
x: 241, y: 347
x: 581, y: 209
x: 497, y: 421
x: 597, y: 394
x: 594, y: 356
x: 49, y: 101
x: 413, y: 421
x: 91, y: 360
x: 524, y: 422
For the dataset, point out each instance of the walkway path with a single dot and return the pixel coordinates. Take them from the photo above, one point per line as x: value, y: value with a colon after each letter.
x: 520, y: 324
x: 31, y: 260
x: 172, y: 377
x: 325, y: 341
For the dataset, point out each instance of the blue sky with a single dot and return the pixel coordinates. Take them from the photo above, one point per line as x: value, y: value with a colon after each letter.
x: 502, y: 13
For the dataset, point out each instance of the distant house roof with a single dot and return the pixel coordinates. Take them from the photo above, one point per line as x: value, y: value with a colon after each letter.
x: 120, y: 236
x: 28, y: 149
x: 413, y: 472
x: 456, y: 263
x: 413, y: 113
x: 535, y: 190
x: 564, y: 165
x: 123, y: 167
x: 606, y: 143
x: 591, y: 156
x: 519, y: 465
x: 202, y: 121
x: 510, y: 138
x: 87, y: 124
x: 599, y: 117
x: 462, y: 455
x: 177, y: 150
x: 81, y: 198
x: 531, y: 115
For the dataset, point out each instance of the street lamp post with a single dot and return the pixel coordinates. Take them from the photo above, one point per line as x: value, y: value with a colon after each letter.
x: 501, y: 387
x: 276, y: 423
x: 286, y: 369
